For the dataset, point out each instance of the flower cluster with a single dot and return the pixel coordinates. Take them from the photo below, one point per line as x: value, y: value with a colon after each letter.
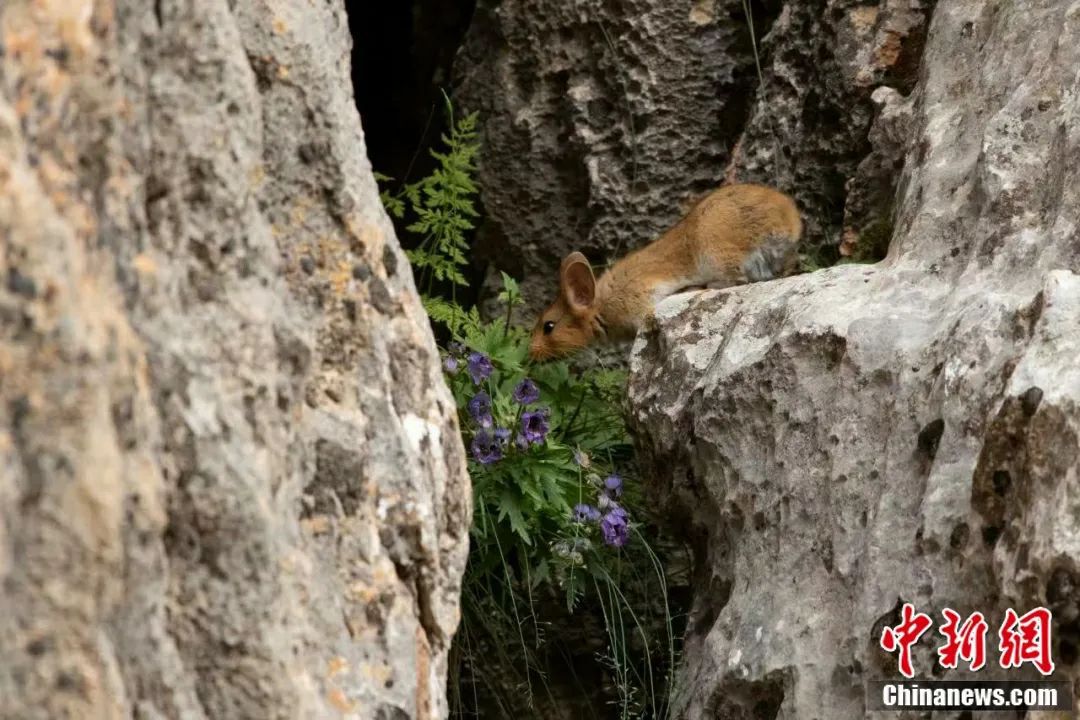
x: 612, y: 517
x: 487, y: 445
x: 490, y: 442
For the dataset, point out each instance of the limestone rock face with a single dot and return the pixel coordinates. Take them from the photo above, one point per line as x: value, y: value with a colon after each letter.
x: 844, y: 440
x: 231, y: 481
x: 602, y: 122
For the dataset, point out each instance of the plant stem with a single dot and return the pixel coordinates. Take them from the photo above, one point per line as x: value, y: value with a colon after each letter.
x: 573, y: 418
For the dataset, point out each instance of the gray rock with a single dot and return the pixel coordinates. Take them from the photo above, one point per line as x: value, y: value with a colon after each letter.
x: 601, y: 123
x: 231, y: 481
x: 844, y: 440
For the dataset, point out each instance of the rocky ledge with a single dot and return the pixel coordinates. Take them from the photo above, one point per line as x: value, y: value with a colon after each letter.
x: 844, y: 440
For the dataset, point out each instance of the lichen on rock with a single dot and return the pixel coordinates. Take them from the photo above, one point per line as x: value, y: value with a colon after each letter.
x: 232, y: 483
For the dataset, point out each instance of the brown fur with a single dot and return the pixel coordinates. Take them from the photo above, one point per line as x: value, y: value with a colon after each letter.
x: 707, y: 248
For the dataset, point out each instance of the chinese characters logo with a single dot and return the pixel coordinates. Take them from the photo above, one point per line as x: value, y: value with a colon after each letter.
x: 1021, y: 639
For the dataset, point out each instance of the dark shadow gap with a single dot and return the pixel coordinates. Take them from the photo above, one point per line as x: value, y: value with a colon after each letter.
x: 402, y: 56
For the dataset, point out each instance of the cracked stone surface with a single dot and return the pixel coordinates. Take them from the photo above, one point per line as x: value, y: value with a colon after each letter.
x: 847, y: 439
x: 231, y: 481
x: 601, y: 123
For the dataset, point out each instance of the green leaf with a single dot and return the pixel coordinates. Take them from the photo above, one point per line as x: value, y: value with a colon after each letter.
x: 511, y: 293
x: 510, y: 509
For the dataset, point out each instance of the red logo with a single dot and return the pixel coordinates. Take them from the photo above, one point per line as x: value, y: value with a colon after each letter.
x: 1022, y: 639
x: 1026, y: 639
x: 903, y: 636
x: 963, y: 642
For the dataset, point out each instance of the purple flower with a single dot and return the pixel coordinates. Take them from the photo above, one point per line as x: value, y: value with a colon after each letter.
x: 480, y: 409
x: 526, y: 392
x: 615, y: 527
x: 451, y: 364
x: 585, y: 513
x: 502, y: 435
x: 520, y: 442
x: 486, y: 447
x: 479, y: 367
x: 613, y: 485
x: 605, y: 503
x: 534, y: 425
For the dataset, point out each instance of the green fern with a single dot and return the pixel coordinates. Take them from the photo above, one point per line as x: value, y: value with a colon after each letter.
x: 458, y: 320
x: 393, y: 203
x: 443, y: 205
x: 525, y: 537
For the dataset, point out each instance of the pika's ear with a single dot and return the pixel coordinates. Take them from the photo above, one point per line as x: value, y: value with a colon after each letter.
x: 576, y: 282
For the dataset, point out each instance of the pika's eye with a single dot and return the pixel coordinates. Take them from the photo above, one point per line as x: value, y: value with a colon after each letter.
x: 549, y: 326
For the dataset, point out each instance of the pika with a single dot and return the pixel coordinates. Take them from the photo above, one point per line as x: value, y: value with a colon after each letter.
x: 734, y: 235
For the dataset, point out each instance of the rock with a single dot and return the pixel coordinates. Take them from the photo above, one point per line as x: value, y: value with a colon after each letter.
x: 602, y: 123
x: 845, y: 440
x: 231, y: 483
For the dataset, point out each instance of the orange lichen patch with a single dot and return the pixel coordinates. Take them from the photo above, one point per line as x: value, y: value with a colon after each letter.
x: 22, y: 43
x: 353, y: 225
x: 363, y: 592
x: 341, y: 276
x: 339, y: 700
x: 332, y: 254
x: 279, y: 26
x: 73, y: 24
x: 256, y: 176
x: 121, y: 185
x: 423, y: 670
x: 55, y: 81
x: 366, y: 235
x: 104, y: 15
x: 144, y: 264
x: 380, y: 673
x: 864, y: 18
x: 336, y: 666
x: 24, y: 104
x: 282, y: 72
x: 316, y: 524
x: 60, y: 186
x: 30, y: 30
x: 372, y: 236
x: 328, y: 248
x: 59, y: 198
x: 888, y: 50
x: 383, y: 575
x: 83, y: 221
x: 53, y: 173
x: 300, y: 208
